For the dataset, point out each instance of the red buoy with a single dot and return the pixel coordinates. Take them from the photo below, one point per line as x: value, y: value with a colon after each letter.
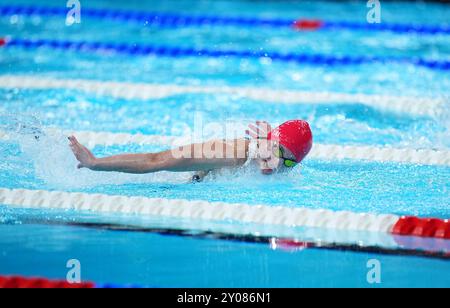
x: 422, y: 227
x: 309, y: 25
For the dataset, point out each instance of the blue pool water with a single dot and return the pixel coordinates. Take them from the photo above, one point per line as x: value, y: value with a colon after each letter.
x: 30, y: 246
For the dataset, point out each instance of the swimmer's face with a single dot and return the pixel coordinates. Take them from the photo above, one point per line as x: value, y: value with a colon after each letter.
x: 269, y: 161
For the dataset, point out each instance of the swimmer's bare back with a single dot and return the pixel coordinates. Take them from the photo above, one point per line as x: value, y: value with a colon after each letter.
x: 201, y: 157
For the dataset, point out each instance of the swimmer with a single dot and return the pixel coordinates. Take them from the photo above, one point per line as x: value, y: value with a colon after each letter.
x: 270, y: 150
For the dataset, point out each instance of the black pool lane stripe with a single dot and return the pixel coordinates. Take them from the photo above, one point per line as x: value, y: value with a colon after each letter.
x: 268, y: 240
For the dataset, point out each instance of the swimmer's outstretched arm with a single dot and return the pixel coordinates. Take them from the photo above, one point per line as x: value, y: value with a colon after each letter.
x: 149, y: 162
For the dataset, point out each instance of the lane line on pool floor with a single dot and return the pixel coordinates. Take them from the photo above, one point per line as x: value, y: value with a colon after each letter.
x: 325, y: 152
x: 125, y: 90
x: 221, y: 211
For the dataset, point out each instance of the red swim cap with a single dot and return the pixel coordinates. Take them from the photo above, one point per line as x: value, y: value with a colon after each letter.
x: 294, y: 135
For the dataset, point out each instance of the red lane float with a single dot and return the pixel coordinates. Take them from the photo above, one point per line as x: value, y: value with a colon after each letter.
x: 309, y: 25
x: 422, y: 227
x: 18, y: 282
x: 2, y: 41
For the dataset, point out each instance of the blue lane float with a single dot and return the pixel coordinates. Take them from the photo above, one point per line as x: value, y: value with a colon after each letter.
x: 175, y: 52
x: 158, y: 19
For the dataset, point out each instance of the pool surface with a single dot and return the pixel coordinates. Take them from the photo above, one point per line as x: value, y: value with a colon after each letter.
x: 411, y: 66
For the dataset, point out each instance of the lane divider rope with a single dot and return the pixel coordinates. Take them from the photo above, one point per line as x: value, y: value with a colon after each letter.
x: 176, y: 52
x: 279, y: 237
x: 123, y: 90
x: 21, y: 282
x: 202, y: 210
x: 221, y: 211
x: 371, y: 153
x: 159, y: 19
x: 319, y: 151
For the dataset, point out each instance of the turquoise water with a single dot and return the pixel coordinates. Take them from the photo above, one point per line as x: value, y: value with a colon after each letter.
x: 151, y: 259
x: 155, y: 260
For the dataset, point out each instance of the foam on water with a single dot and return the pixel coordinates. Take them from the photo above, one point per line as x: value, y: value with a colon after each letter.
x: 55, y: 165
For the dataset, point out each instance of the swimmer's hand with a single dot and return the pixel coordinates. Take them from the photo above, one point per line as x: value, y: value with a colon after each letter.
x: 259, y: 130
x: 264, y: 154
x: 82, y: 154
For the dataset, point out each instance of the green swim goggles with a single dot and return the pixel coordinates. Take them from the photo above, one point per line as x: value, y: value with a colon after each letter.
x: 289, y: 163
